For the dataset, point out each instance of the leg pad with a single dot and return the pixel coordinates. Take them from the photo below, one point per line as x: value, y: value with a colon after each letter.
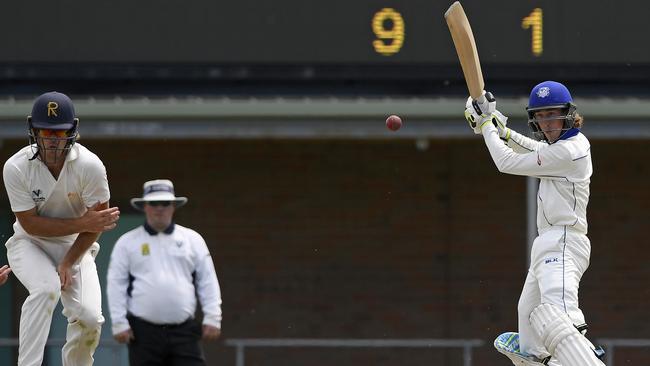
x: 561, y: 337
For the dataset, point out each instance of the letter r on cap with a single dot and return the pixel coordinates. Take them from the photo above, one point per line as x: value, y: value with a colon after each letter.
x: 51, y: 109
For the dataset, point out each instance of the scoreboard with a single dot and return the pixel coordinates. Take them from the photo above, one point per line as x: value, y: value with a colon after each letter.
x: 334, y: 33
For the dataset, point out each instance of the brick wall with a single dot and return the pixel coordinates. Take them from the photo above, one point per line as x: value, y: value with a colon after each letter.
x: 358, y: 239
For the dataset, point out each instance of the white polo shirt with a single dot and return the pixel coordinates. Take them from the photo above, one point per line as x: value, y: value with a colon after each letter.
x: 564, y: 169
x: 81, y: 184
x: 153, y: 276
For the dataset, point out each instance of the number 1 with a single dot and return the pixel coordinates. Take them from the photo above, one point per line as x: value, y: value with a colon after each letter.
x: 535, y: 21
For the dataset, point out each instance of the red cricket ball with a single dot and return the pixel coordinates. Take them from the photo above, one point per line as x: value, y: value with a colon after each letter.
x: 393, y: 122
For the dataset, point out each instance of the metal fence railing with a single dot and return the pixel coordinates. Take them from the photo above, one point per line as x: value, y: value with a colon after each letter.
x: 611, y: 344
x: 241, y: 344
x: 114, y: 347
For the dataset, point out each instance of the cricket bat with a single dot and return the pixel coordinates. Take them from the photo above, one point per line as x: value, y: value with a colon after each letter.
x: 461, y: 33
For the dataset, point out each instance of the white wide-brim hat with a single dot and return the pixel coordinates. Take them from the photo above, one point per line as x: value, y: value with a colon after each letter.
x: 158, y: 190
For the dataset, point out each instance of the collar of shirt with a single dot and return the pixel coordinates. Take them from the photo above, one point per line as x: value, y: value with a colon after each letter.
x: 152, y: 231
x: 569, y: 133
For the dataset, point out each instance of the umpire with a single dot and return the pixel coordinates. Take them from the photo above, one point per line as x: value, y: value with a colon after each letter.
x: 156, y: 273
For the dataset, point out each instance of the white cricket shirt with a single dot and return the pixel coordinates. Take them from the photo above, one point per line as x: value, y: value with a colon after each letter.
x: 153, y: 276
x: 81, y: 184
x: 564, y: 169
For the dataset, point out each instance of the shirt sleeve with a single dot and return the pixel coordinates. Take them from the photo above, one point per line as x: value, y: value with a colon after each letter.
x: 552, y: 161
x: 117, y: 282
x: 20, y: 198
x: 522, y: 144
x: 96, y: 183
x: 207, y: 284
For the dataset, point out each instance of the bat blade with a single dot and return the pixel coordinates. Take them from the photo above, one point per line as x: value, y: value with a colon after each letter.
x: 461, y: 33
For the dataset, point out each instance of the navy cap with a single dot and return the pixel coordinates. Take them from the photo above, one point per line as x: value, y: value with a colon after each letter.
x: 53, y: 111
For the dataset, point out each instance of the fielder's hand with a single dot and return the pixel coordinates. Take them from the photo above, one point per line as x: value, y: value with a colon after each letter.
x: 210, y: 332
x: 99, y: 221
x: 65, y: 275
x: 4, y: 274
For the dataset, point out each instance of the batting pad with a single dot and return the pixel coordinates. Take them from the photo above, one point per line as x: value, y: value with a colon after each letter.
x: 508, y: 344
x: 561, y: 338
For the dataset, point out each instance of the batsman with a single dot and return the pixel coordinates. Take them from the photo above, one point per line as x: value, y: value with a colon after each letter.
x: 58, y: 191
x: 551, y: 325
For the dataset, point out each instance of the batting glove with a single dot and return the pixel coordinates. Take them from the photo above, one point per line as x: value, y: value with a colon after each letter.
x: 485, y: 105
x: 476, y: 112
x: 500, y: 121
x: 471, y: 117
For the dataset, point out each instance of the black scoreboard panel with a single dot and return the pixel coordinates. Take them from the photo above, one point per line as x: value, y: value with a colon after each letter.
x: 333, y: 32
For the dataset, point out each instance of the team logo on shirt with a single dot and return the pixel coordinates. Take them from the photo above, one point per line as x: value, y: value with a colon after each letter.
x: 179, y: 243
x: 144, y: 249
x: 36, y: 196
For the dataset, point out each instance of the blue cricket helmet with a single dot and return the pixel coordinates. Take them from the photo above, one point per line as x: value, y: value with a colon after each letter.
x: 550, y: 95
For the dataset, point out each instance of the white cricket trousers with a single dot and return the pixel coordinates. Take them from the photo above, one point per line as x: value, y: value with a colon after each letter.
x: 559, y: 257
x: 82, y: 302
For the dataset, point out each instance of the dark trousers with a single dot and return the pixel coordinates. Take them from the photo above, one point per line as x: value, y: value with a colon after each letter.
x: 165, y: 345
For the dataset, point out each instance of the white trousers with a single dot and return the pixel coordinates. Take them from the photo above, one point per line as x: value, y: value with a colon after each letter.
x: 36, y: 270
x: 559, y: 257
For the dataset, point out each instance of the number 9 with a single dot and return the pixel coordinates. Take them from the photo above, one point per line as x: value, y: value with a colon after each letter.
x: 388, y: 26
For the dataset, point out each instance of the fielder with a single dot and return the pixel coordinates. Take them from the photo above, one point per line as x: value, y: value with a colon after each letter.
x: 551, y: 324
x: 58, y: 191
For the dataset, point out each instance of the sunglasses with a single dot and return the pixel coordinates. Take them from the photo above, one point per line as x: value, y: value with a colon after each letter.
x: 159, y: 203
x: 53, y: 133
